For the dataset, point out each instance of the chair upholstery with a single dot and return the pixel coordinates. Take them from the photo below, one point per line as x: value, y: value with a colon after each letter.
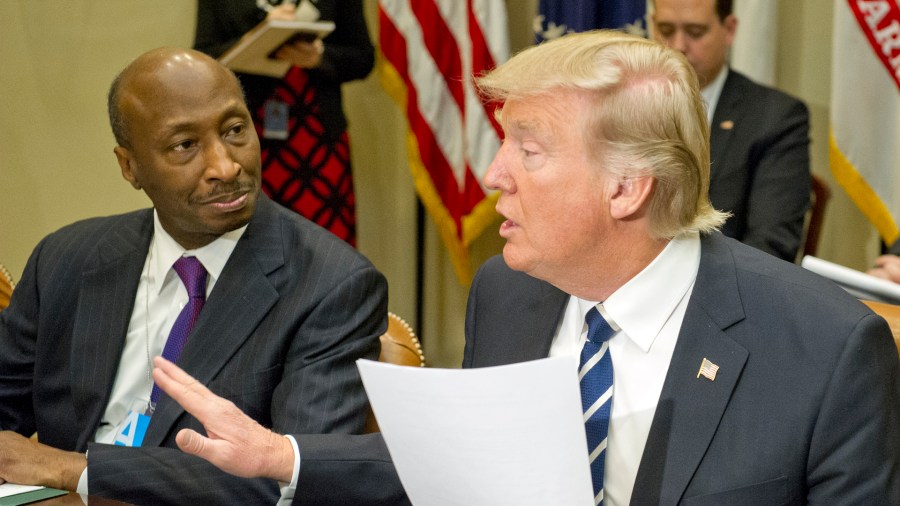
x: 821, y: 193
x: 6, y: 287
x: 400, y: 346
x: 891, y: 313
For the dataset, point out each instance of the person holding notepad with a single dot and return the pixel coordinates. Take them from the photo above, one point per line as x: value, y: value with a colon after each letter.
x: 299, y: 117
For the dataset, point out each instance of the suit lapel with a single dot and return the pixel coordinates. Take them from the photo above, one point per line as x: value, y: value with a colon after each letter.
x: 690, y: 407
x: 105, y: 304
x: 240, y: 300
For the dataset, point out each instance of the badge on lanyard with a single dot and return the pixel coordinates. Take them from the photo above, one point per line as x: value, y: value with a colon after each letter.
x: 275, y: 120
x: 133, y: 428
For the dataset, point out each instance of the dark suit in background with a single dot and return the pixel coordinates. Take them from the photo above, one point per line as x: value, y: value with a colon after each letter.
x: 803, y: 369
x: 759, y: 147
x: 279, y: 336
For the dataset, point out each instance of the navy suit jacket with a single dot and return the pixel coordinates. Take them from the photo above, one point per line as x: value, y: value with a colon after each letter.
x: 805, y: 408
x: 759, y: 149
x: 279, y: 336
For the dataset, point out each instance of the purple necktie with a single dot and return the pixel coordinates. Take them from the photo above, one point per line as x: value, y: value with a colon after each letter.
x: 193, y: 275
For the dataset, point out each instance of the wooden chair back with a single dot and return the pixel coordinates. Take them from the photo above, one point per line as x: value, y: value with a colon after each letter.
x: 6, y: 287
x: 400, y: 346
x: 820, y: 194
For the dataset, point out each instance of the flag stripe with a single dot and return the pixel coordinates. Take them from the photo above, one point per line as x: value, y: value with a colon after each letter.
x: 433, y: 159
x: 430, y: 50
x: 482, y: 59
x: 441, y: 44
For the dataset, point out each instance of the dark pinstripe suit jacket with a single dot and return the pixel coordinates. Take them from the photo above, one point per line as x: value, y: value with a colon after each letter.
x: 759, y: 148
x: 279, y: 336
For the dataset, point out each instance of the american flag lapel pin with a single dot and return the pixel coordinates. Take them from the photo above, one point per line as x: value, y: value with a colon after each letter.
x: 708, y: 370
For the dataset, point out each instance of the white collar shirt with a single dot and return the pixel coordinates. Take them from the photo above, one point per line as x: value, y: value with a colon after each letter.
x: 646, y: 313
x: 713, y: 91
x: 159, y: 299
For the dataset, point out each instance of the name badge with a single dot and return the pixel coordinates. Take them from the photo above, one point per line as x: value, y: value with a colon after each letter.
x: 133, y: 428
x: 275, y: 120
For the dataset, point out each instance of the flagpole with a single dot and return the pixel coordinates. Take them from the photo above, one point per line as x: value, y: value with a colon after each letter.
x: 420, y: 265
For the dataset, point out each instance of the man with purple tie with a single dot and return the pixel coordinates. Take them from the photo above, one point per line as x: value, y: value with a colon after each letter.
x: 261, y: 305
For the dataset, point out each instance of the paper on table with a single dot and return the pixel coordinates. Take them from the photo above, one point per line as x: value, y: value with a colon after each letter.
x: 7, y: 489
x: 12, y: 494
x: 497, y: 435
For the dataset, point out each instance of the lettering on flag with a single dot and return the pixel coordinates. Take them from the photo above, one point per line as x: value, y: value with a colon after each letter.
x: 430, y: 52
x: 879, y: 20
x: 865, y: 109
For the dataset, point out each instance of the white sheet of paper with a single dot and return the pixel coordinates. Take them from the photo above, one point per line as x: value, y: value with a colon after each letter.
x: 496, y: 435
x: 8, y: 489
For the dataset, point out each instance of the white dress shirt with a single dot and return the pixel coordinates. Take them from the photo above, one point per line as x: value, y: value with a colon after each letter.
x: 713, y: 91
x: 647, y: 311
x: 159, y: 299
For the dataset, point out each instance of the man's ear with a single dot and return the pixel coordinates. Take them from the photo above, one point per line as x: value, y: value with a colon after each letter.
x: 127, y: 163
x: 630, y: 197
x: 730, y: 24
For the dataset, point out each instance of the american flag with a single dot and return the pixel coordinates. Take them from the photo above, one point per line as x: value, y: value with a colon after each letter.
x: 430, y: 51
x: 708, y: 370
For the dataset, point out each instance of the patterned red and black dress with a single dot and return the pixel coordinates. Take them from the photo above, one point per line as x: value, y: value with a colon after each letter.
x: 310, y: 171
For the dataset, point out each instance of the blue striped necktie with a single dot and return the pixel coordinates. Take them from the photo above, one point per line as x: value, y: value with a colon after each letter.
x: 595, y: 373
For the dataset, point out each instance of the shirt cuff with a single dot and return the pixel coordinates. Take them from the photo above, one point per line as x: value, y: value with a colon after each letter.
x: 82, y: 487
x: 287, y: 489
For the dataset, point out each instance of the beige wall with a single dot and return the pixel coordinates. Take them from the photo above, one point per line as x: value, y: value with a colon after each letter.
x: 56, y: 162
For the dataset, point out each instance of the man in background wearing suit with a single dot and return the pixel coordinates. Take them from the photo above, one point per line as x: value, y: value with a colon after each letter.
x: 759, y: 138
x: 736, y: 378
x: 285, y: 308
